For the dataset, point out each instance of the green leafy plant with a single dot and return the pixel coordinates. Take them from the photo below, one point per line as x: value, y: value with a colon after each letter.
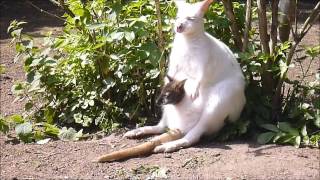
x: 105, y: 69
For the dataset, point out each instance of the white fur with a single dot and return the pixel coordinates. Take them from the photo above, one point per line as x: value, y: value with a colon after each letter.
x: 214, y: 87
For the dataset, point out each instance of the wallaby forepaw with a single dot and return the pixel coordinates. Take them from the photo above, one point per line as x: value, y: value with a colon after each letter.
x: 166, y: 148
x: 172, y: 146
x: 133, y: 133
x: 194, y: 95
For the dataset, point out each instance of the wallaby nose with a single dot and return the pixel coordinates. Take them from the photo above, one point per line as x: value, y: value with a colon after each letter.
x: 179, y: 28
x: 159, y: 101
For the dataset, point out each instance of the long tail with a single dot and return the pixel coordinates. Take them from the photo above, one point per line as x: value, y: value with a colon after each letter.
x: 142, y: 149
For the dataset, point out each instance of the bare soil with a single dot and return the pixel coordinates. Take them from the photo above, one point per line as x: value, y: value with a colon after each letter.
x: 73, y: 160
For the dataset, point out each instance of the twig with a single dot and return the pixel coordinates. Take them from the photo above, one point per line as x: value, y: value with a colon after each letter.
x: 46, y: 12
x: 247, y: 25
x: 55, y: 2
x: 234, y: 27
x: 310, y: 21
x: 66, y: 8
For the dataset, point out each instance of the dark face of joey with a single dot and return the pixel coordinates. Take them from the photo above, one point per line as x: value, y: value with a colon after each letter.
x: 172, y: 93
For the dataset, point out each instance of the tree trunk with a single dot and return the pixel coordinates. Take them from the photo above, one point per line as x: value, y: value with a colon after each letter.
x: 234, y: 27
x: 247, y: 25
x: 274, y: 25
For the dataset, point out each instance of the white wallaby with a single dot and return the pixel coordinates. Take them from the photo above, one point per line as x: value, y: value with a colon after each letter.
x: 214, y: 87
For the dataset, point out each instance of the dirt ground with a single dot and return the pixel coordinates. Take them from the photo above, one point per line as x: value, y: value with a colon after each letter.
x: 73, y: 160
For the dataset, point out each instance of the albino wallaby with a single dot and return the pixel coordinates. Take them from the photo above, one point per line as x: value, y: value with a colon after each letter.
x: 214, y: 89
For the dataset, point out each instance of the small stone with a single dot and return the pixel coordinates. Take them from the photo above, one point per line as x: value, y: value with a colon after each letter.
x: 167, y: 155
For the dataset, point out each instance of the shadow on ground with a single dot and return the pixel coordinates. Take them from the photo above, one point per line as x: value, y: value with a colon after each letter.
x: 21, y: 10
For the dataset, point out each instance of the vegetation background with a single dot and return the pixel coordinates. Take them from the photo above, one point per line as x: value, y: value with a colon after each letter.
x: 104, y: 71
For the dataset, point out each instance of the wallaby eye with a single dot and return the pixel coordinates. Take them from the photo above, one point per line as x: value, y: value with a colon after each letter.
x: 191, y: 18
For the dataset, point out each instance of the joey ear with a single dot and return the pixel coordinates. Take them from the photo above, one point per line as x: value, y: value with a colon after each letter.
x: 204, y: 5
x: 169, y: 78
x: 181, y: 83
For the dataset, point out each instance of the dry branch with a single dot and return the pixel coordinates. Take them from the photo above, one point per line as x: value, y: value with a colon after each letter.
x: 234, y: 27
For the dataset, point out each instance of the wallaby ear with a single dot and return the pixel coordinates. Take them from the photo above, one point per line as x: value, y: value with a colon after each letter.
x: 169, y: 78
x: 179, y: 3
x: 204, y: 5
x: 181, y: 83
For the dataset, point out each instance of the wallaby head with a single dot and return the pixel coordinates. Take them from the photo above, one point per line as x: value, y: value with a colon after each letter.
x: 172, y: 92
x: 190, y: 16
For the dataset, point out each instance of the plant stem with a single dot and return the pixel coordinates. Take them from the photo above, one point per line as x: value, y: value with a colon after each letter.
x: 161, y: 39
x: 297, y: 39
x: 46, y: 12
x: 66, y: 8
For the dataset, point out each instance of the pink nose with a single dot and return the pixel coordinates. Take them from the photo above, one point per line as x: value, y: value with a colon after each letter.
x: 179, y: 28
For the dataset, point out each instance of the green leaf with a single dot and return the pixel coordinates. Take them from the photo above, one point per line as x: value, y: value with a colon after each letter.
x: 153, y: 74
x: 129, y: 36
x: 38, y: 135
x: 51, y: 130
x: 297, y: 142
x: 16, y: 118
x: 113, y: 56
x: 4, y: 127
x: 86, y: 121
x: 24, y: 128
x: 117, y: 35
x: 91, y: 102
x: 160, y: 173
x: 49, y: 115
x: 96, y: 26
x: 283, y: 68
x: 265, y: 137
x: 28, y: 106
x: 17, y: 89
x: 69, y: 134
x: 270, y: 127
x: 304, y: 130
x: 2, y: 69
x: 78, y: 118
x: 317, y: 118
x: 286, y: 127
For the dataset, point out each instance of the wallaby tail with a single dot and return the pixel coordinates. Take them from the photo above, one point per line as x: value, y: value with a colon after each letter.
x: 142, y: 149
